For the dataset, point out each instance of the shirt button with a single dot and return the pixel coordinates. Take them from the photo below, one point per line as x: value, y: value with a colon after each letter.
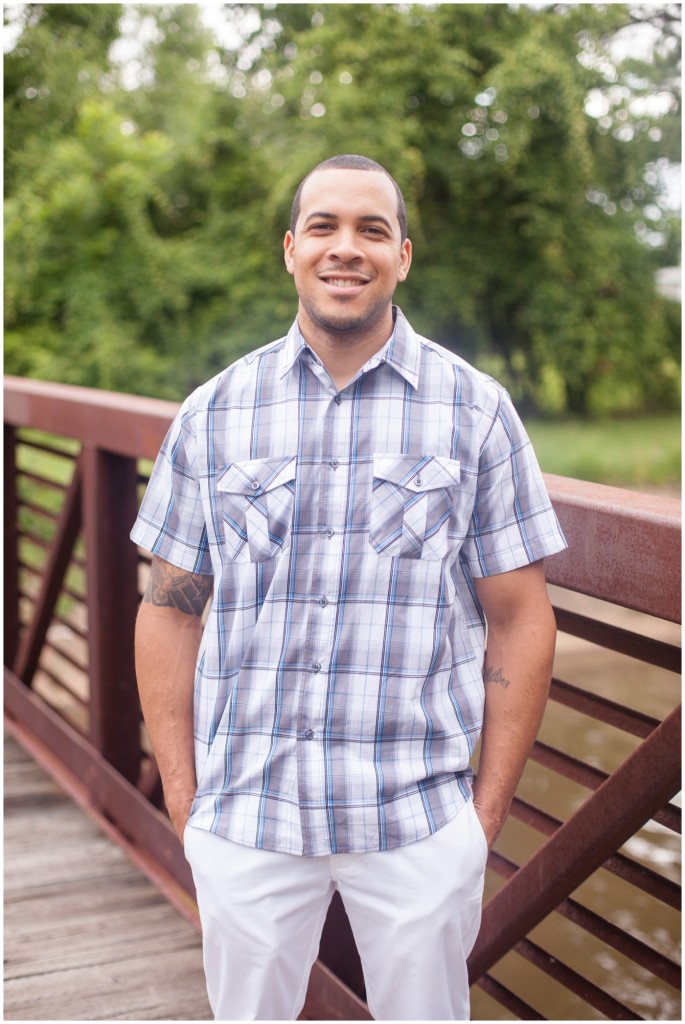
x: 338, y: 400
x: 418, y: 481
x: 323, y: 601
x: 309, y: 735
x: 330, y: 533
x: 335, y: 463
x: 316, y: 667
x: 255, y: 485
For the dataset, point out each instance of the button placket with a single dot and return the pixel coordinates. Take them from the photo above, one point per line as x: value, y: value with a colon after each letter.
x: 327, y: 458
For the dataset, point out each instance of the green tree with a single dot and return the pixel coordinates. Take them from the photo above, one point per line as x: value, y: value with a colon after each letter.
x: 59, y: 57
x: 146, y: 199
x: 133, y: 257
x: 517, y: 264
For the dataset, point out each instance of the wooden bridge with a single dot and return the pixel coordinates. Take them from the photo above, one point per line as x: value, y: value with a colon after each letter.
x: 87, y: 935
x: 568, y: 862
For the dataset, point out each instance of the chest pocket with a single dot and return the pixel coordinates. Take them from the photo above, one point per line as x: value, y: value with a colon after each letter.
x: 256, y: 500
x: 411, y: 502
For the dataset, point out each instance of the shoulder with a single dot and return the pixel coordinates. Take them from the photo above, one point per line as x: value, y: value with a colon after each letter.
x: 231, y: 380
x: 474, y: 387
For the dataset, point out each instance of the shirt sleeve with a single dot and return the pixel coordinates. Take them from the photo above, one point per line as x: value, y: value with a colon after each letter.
x: 171, y: 521
x: 513, y: 522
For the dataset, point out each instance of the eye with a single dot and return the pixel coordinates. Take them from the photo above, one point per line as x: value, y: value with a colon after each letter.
x: 375, y: 231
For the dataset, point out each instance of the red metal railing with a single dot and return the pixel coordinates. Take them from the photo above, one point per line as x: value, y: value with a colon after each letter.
x: 75, y: 464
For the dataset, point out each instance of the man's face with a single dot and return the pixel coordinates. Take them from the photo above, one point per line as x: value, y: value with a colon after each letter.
x: 346, y: 254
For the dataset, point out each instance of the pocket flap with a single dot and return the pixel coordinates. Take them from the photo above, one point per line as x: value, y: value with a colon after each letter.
x: 417, y: 472
x: 257, y: 475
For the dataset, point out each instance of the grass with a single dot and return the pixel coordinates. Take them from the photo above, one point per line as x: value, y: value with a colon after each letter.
x: 642, y: 453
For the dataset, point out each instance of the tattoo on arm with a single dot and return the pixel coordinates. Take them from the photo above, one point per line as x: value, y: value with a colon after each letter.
x: 171, y: 587
x: 496, y: 675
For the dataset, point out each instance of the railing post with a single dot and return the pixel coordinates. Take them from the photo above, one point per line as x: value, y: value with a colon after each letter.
x: 109, y: 508
x: 11, y: 547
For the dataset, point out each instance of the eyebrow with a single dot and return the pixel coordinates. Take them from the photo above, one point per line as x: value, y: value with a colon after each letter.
x: 366, y: 218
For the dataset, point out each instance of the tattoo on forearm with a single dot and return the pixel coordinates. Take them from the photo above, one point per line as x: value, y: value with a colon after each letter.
x: 171, y: 587
x: 496, y: 675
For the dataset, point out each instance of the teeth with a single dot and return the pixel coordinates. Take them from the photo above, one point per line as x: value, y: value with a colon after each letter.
x: 343, y: 282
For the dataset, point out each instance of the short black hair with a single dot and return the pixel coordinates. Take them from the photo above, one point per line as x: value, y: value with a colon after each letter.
x: 351, y: 162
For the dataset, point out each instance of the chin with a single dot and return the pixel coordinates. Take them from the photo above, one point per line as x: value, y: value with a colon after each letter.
x: 345, y: 323
x: 342, y: 325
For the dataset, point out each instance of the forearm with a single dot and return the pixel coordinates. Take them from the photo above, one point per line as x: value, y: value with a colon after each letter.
x: 166, y: 652
x: 168, y: 634
x: 517, y: 673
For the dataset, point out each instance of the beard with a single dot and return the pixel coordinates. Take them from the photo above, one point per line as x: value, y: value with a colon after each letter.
x: 341, y: 322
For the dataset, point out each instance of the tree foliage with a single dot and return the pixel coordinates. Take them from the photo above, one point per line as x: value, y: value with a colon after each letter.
x: 147, y: 195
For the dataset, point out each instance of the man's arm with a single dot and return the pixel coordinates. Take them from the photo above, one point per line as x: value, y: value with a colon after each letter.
x: 517, y: 673
x: 168, y: 633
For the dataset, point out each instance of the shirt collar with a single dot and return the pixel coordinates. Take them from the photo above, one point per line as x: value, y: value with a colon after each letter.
x: 402, y: 351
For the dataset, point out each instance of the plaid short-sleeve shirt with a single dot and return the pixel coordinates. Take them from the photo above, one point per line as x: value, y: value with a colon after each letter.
x: 339, y: 683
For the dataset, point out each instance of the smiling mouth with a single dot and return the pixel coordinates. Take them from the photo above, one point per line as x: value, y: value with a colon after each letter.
x: 344, y: 282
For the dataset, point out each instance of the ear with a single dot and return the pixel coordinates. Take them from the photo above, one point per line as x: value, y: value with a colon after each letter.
x: 405, y: 260
x: 288, y: 251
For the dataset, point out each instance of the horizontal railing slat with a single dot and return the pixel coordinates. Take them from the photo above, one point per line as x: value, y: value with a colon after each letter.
x: 601, y: 708
x: 567, y: 765
x: 494, y: 988
x: 41, y: 481
x: 609, y: 933
x: 631, y: 871
x: 623, y: 942
x: 56, y: 681
x: 574, y: 982
x: 45, y: 513
x: 614, y: 638
x: 79, y: 665
x: 79, y: 631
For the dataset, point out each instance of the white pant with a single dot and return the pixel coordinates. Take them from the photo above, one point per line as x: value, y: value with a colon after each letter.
x: 414, y: 912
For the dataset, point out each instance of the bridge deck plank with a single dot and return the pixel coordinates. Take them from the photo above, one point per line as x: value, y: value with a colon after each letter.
x: 87, y: 937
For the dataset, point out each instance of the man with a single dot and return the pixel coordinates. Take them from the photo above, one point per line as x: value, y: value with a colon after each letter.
x: 358, y: 501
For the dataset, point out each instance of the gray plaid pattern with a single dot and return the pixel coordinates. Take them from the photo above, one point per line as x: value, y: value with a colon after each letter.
x: 339, y: 690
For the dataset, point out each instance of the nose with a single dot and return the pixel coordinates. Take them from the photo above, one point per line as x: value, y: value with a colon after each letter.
x: 345, y: 247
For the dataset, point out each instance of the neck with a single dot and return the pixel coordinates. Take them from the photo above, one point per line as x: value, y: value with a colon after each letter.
x: 343, y: 353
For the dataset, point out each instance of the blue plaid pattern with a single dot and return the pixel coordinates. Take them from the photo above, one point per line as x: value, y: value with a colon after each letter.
x: 339, y: 690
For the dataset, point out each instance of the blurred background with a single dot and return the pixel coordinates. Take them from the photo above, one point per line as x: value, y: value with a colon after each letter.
x: 152, y: 151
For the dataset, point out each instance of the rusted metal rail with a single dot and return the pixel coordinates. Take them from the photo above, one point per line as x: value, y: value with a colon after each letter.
x: 76, y: 461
